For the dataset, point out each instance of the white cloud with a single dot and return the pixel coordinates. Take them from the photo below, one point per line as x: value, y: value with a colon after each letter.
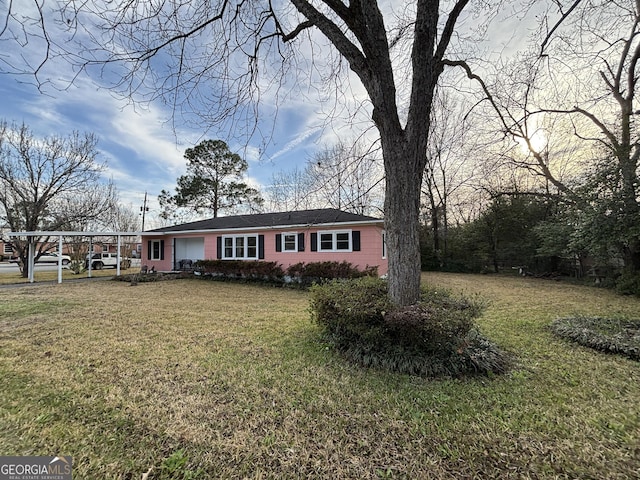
x: 300, y: 138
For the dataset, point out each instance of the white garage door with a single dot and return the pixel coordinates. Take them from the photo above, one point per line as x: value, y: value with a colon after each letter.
x: 189, y: 249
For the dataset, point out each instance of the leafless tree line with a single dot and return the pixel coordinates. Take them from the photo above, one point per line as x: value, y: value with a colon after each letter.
x: 345, y: 177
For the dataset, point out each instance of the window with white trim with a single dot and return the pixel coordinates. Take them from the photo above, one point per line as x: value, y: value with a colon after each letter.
x: 289, y: 242
x: 8, y: 249
x: 336, y: 241
x: 240, y: 247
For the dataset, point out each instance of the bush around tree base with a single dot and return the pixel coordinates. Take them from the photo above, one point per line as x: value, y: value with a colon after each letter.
x: 480, y: 357
x: 435, y: 338
x: 611, y: 335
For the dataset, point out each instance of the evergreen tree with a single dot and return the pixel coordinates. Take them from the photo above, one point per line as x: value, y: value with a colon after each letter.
x: 213, y: 182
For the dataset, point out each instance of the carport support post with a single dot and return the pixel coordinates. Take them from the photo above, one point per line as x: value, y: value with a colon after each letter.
x: 30, y: 262
x: 90, y: 256
x: 118, y: 258
x: 60, y: 259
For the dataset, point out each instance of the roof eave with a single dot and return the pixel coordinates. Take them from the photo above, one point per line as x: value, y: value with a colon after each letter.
x: 272, y: 227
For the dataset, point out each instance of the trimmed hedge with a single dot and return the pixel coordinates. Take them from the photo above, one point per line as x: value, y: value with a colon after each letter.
x: 302, y: 273
x: 436, y: 337
x: 315, y: 272
x: 241, y: 269
x: 612, y: 335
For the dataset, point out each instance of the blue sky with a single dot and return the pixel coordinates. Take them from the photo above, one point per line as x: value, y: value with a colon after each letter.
x: 139, y: 145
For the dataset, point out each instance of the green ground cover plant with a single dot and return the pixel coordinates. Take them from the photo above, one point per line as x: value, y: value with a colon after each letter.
x: 613, y: 335
x: 191, y: 379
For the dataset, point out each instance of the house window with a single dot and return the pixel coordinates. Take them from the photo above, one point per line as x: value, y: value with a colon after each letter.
x: 335, y: 241
x: 8, y: 249
x: 252, y: 247
x: 240, y: 246
x: 343, y: 241
x: 156, y: 250
x: 326, y: 241
x: 289, y: 242
x: 228, y: 247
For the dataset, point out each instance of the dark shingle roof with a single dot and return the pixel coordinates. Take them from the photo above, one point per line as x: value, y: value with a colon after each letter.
x: 271, y: 220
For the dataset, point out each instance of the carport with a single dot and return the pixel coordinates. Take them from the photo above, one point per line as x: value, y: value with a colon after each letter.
x: 31, y: 235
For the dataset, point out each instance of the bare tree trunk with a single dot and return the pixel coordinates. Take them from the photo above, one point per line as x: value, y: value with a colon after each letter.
x: 430, y: 192
x: 435, y: 226
x: 402, y: 204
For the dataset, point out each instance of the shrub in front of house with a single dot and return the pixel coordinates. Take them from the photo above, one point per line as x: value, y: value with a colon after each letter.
x: 315, y: 272
x: 436, y: 337
x: 239, y: 269
x: 303, y: 274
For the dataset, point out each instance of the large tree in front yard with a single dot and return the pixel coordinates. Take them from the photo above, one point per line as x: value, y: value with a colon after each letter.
x: 219, y: 57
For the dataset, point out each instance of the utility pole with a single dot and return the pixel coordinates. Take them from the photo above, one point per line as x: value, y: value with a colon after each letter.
x: 144, y: 209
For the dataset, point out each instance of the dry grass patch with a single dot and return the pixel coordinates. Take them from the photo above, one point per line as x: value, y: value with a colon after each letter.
x: 198, y: 379
x: 41, y: 276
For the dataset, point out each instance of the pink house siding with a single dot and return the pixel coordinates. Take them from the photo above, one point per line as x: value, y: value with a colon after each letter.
x: 370, y: 253
x: 364, y: 248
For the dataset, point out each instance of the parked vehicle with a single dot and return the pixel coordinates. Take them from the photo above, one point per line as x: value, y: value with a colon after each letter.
x: 104, y: 260
x: 49, y: 257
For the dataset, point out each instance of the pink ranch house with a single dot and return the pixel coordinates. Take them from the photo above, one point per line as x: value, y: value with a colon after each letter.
x: 286, y: 238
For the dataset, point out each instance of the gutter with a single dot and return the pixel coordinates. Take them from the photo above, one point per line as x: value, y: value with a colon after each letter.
x: 305, y: 226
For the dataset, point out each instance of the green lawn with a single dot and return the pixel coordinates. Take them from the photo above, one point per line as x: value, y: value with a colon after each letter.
x: 193, y: 379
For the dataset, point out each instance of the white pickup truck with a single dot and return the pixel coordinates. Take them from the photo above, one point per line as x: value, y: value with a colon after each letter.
x: 48, y: 257
x: 104, y: 259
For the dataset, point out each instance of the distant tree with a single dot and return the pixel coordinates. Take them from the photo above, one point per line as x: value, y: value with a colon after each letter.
x: 594, y: 48
x: 125, y: 218
x: 213, y: 182
x: 49, y: 184
x: 342, y: 176
x: 504, y: 234
x: 564, y: 240
x: 116, y: 218
x: 601, y: 225
x: 449, y: 168
x: 289, y: 191
x: 347, y: 177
